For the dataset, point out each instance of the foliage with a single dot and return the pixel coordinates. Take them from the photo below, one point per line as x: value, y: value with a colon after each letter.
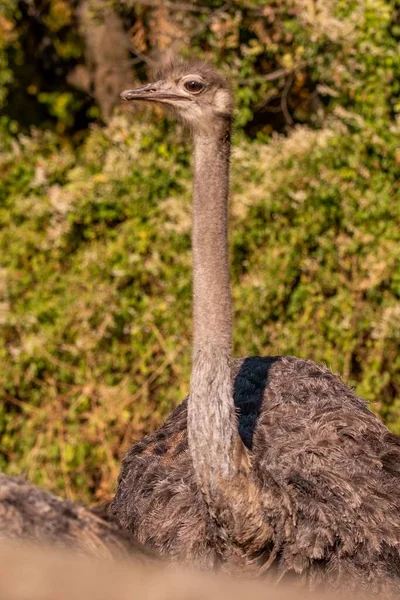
x: 7, y: 40
x: 39, y: 46
x: 95, y: 235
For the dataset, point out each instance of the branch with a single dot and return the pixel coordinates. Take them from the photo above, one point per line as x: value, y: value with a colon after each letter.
x: 284, y: 96
x: 184, y: 6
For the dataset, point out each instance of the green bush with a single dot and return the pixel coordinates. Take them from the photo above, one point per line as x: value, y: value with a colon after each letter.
x: 95, y: 271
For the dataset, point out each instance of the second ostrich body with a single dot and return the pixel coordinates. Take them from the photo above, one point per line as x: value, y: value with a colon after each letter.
x: 30, y: 514
x: 272, y: 465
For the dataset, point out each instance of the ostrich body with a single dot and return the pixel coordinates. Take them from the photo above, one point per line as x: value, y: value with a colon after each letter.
x: 33, y: 515
x: 272, y: 466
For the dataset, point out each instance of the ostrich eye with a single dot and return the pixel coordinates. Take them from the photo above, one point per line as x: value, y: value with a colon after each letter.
x: 194, y: 87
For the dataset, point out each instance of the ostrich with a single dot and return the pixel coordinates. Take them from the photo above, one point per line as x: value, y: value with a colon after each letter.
x: 272, y: 466
x: 28, y: 513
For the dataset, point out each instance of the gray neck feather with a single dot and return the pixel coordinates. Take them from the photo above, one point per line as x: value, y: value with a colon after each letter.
x: 221, y: 462
x: 214, y: 442
x: 211, y: 283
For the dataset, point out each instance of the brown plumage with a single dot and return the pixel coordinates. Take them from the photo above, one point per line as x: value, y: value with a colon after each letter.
x: 31, y: 514
x: 272, y: 466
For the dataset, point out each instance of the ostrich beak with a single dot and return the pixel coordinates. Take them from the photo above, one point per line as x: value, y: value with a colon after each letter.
x: 153, y: 92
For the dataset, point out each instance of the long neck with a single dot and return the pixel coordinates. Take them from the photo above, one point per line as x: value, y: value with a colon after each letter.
x: 212, y: 423
x: 211, y: 282
x: 221, y: 462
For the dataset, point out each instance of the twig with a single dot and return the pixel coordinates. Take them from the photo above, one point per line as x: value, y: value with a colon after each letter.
x: 142, y: 57
x: 269, y: 76
x: 63, y: 462
x: 22, y: 404
x: 284, y: 96
x: 173, y: 5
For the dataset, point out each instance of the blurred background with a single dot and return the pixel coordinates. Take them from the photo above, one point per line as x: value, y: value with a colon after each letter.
x: 95, y: 201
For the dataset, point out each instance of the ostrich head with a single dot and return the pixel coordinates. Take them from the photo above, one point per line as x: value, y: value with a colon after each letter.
x: 196, y: 92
